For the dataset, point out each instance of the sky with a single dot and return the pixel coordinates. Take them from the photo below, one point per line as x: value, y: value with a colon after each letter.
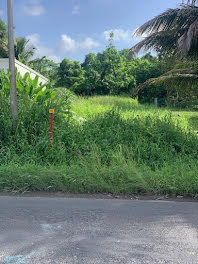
x: 73, y: 28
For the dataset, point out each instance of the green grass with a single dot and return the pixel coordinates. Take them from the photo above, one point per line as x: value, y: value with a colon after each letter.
x: 190, y: 116
x: 112, y: 144
x: 89, y: 107
x: 92, y: 106
x: 91, y: 176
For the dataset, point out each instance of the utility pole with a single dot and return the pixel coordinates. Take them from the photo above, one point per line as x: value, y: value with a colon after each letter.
x: 13, y: 96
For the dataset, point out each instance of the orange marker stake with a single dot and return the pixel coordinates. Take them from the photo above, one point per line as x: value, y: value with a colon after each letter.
x: 51, y: 111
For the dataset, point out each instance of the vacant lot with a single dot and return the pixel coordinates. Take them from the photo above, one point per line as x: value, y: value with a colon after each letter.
x: 109, y: 144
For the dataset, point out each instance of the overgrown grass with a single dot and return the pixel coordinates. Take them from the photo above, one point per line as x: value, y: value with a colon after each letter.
x: 92, y: 176
x: 111, y: 144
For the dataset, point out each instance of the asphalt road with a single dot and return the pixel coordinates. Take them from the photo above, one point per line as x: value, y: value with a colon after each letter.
x: 88, y: 231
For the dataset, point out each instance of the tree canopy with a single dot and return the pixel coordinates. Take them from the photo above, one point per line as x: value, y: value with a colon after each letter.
x: 110, y: 72
x: 174, y: 36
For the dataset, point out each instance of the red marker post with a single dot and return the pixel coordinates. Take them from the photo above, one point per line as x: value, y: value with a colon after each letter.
x: 51, y: 111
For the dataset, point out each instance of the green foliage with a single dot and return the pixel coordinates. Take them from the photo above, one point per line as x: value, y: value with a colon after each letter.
x: 27, y: 87
x: 23, y: 51
x: 173, y: 35
x: 3, y: 40
x: 175, y: 88
x: 71, y: 75
x: 111, y: 72
x: 46, y: 67
x: 121, y: 148
x: 115, y: 74
x: 30, y: 140
x: 147, y: 67
x: 91, y: 176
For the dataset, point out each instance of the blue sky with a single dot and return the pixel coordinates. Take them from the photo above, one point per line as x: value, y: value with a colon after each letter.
x: 73, y: 28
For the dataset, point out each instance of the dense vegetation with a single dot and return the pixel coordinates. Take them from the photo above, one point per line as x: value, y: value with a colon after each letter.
x: 171, y: 76
x: 101, y: 144
x: 108, y: 73
x: 174, y: 36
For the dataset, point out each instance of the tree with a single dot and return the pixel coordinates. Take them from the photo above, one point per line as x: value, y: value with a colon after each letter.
x: 71, y: 75
x: 175, y: 30
x: 174, y: 35
x: 112, y: 73
x: 130, y: 56
x: 46, y: 67
x: 3, y: 40
x: 23, y: 51
x: 146, y: 67
x: 92, y: 83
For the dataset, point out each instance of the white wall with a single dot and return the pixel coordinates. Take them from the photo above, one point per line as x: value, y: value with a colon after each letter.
x: 22, y: 69
x: 4, y: 64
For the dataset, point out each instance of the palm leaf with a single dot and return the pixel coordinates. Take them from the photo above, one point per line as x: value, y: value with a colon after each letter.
x: 159, y: 23
x: 173, y: 30
x: 158, y: 41
x: 186, y: 41
x: 178, y: 76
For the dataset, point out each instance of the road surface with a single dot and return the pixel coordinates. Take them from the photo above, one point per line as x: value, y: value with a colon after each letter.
x: 88, y: 231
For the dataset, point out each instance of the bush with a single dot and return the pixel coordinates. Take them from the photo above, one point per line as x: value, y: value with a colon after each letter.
x: 30, y: 140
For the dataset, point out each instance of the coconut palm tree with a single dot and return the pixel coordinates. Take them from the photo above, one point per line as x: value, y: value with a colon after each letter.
x: 23, y: 51
x: 175, y: 30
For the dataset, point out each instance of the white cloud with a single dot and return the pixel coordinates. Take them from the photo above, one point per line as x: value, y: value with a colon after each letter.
x: 1, y: 12
x: 67, y: 44
x: 76, y: 10
x: 41, y: 49
x: 120, y: 35
x: 88, y: 44
x: 34, y: 8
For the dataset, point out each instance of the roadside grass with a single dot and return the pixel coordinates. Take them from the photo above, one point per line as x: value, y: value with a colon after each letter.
x: 112, y: 145
x: 91, y: 176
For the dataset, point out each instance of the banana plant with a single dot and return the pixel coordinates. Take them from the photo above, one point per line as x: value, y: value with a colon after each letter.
x: 26, y: 86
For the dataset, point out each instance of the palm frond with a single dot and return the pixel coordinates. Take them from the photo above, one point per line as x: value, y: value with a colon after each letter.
x: 186, y: 41
x: 178, y: 76
x: 174, y: 27
x: 23, y: 50
x: 157, y: 41
x: 158, y: 23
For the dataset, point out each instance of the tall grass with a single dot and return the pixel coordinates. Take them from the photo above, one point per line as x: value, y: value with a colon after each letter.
x: 104, y: 144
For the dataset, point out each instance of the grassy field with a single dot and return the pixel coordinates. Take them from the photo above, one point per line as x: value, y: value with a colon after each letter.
x: 87, y: 108
x: 111, y: 144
